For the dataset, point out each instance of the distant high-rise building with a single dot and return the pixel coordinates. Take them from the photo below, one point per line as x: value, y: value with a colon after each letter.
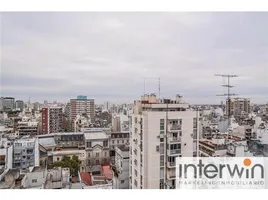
x: 36, y: 106
x: 1, y: 103
x: 238, y: 107
x: 116, y: 123
x: 7, y: 103
x: 52, y: 120
x: 161, y: 131
x: 19, y: 104
x: 82, y: 106
x: 106, y: 105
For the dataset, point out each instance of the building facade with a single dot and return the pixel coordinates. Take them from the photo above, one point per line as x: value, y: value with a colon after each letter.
x: 121, y: 168
x: 161, y: 131
x: 116, y: 123
x: 27, y: 128
x: 118, y: 139
x: 97, y: 148
x: 52, y: 120
x: 238, y: 107
x: 7, y: 103
x: 19, y: 105
x: 25, y: 153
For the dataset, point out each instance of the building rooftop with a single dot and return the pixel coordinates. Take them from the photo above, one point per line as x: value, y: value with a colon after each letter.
x: 86, y: 178
x: 47, y: 142
x: 107, y: 172
x: 123, y: 147
x: 38, y: 169
x: 95, y: 135
x: 59, y: 134
x: 227, y: 136
x: 68, y: 152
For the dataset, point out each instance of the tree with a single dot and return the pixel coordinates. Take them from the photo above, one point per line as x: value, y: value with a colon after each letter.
x: 72, y: 163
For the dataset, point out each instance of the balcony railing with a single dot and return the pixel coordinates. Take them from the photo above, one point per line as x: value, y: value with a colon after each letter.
x: 174, y: 127
x: 173, y: 152
x: 171, y: 176
x: 171, y: 164
x: 174, y: 139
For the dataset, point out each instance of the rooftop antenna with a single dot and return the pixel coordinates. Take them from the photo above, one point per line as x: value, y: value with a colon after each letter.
x: 228, y: 94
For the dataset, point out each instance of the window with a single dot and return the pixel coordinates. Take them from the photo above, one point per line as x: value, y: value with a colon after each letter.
x: 195, y: 134
x: 135, y: 183
x: 105, y: 154
x: 161, y: 186
x: 88, y: 144
x: 162, y: 172
x: 162, y: 124
x: 34, y: 181
x: 117, y: 141
x: 195, y: 122
x: 97, y: 154
x: 122, y: 181
x: 135, y: 162
x: 113, y: 141
x: 162, y: 160
x: 161, y: 148
x: 122, y: 141
x: 97, y: 162
x: 175, y: 146
x: 88, y: 155
x: 136, y: 173
x: 105, y: 143
x: 161, y: 139
x: 58, y: 159
x: 180, y: 133
x: 88, y: 162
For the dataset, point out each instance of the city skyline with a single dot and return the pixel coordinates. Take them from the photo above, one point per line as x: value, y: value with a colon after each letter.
x: 106, y: 56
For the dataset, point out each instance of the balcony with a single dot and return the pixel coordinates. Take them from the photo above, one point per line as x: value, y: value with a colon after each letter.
x: 171, y: 164
x: 174, y: 127
x: 173, y: 139
x: 171, y: 175
x: 173, y: 152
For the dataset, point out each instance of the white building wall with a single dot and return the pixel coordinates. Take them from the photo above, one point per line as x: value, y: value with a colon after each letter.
x: 150, y: 169
x: 36, y: 153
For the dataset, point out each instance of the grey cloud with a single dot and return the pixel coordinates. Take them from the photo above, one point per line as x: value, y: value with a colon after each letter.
x: 107, y: 55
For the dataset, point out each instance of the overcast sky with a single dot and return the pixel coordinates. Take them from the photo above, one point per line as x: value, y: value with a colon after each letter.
x: 106, y: 56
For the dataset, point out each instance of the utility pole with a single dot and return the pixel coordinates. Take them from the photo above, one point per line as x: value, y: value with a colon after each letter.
x: 228, y: 76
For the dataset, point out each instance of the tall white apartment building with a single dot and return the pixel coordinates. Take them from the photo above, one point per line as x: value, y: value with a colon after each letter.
x: 161, y: 130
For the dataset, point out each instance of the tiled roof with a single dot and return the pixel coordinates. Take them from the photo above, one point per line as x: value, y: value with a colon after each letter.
x: 107, y: 172
x: 86, y: 178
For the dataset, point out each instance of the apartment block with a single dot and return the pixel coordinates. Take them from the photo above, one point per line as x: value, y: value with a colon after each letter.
x: 7, y: 103
x: 238, y: 107
x: 27, y: 128
x: 52, y: 120
x: 25, y: 153
x: 161, y: 130
x: 82, y: 105
x: 121, y: 168
x: 19, y: 105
